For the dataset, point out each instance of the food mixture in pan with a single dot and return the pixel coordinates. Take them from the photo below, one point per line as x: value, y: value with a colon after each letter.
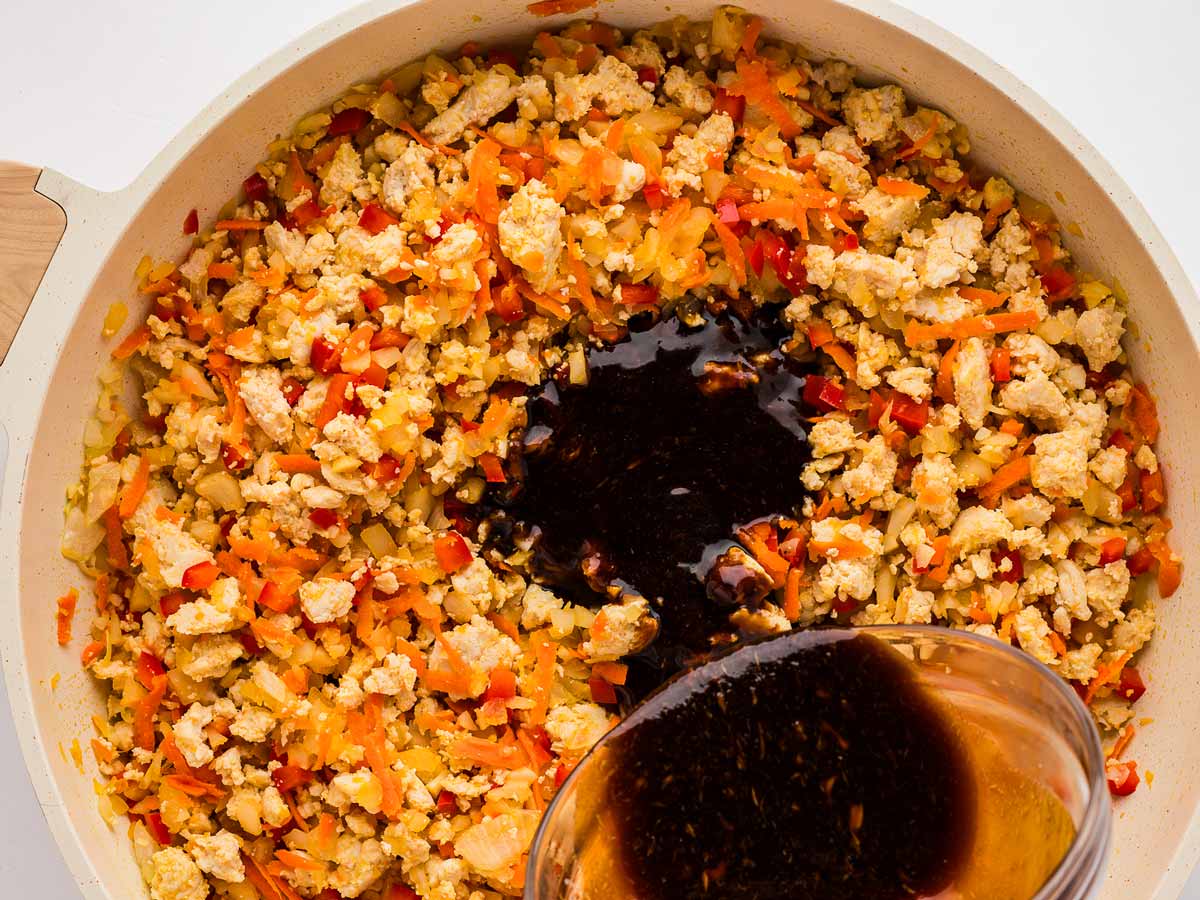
x: 350, y: 647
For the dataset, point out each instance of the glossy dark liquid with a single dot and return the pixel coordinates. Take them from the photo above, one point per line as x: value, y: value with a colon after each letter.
x: 824, y: 772
x: 639, y: 479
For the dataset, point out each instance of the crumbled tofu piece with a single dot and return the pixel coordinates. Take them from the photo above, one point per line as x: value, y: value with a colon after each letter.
x: 689, y: 157
x: 220, y: 855
x: 612, y: 85
x: 537, y: 605
x: 530, y: 230
x: 344, y: 177
x: 575, y: 727
x: 409, y: 173
x: 912, y: 380
x: 212, y: 616
x: 395, y: 678
x: 688, y: 92
x: 874, y: 474
x: 190, y: 737
x: 1098, y: 332
x: 1109, y: 466
x: 474, y: 106
x: 978, y: 527
x: 261, y: 390
x: 973, y: 382
x: 1059, y: 464
x: 888, y: 216
x: 1145, y: 459
x: 1037, y: 397
x: 1107, y: 589
x: 253, y: 724
x: 1033, y: 634
x: 174, y: 876
x: 326, y: 599
x: 620, y: 629
x: 829, y: 436
x: 950, y: 250
x: 361, y: 787
x: 874, y: 112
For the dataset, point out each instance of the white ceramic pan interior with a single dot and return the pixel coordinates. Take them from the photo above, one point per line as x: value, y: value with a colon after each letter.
x: 47, y: 381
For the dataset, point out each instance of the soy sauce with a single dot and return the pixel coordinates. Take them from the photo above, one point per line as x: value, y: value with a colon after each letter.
x: 826, y: 772
x: 639, y: 480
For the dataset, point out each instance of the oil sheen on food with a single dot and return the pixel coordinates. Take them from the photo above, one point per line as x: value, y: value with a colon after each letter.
x: 638, y: 480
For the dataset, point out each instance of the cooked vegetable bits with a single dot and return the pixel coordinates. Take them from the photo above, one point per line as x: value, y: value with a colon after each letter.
x: 321, y: 684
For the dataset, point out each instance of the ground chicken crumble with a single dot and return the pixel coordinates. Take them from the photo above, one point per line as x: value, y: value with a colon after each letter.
x: 322, y: 685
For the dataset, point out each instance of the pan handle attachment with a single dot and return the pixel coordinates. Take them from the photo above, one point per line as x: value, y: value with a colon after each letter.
x: 31, y: 228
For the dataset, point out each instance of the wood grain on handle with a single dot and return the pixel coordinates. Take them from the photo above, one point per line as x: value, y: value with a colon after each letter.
x: 30, y: 228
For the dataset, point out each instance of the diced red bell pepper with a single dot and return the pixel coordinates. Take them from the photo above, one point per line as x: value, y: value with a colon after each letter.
x: 730, y: 104
x: 1098, y: 381
x: 1153, y: 491
x: 148, y: 668
x: 397, y: 892
x: 201, y: 576
x: 1112, y: 550
x: 727, y: 211
x: 169, y: 603
x: 1120, y: 439
x: 1131, y: 686
x: 447, y: 803
x: 788, y: 264
x: 602, y: 691
x: 493, y: 469
x: 273, y: 598
x: 191, y: 224
x: 326, y: 357
x: 496, y: 57
x: 293, y: 389
x: 386, y: 469
x: 1141, y: 562
x: 323, y: 518
x: 1058, y: 282
x: 235, y: 459
x: 1015, y: 572
x: 875, y: 409
x: 502, y: 685
x: 1128, y: 489
x: 255, y: 188
x: 375, y: 219
x: 824, y: 394
x: 639, y: 294
x: 908, y: 413
x: 348, y: 121
x: 507, y: 304
x: 374, y: 375
x: 288, y: 777
x: 648, y: 76
x: 306, y: 212
x: 1122, y: 777
x: 157, y: 828
x: 756, y: 256
x: 844, y: 242
x: 848, y: 605
x: 451, y: 551
x: 1001, y: 364
x: 372, y: 297
x: 653, y: 192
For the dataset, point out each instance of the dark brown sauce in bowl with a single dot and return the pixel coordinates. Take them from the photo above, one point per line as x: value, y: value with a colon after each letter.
x: 819, y: 765
x: 828, y: 773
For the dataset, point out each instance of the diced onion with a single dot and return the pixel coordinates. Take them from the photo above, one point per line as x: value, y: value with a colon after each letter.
x: 104, y: 481
x: 496, y: 844
x: 80, y: 537
x: 900, y: 516
x: 221, y: 490
x: 378, y: 540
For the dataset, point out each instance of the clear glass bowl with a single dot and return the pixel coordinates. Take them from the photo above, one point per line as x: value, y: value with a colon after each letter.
x: 1035, y: 719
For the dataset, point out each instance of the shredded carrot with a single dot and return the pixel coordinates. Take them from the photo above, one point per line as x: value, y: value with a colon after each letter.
x: 240, y: 225
x: 132, y: 495
x: 1057, y: 643
x: 64, y: 614
x: 944, y: 383
x: 977, y: 326
x: 487, y: 753
x: 989, y: 299
x: 222, y: 270
x: 297, y: 462
x: 1122, y: 742
x: 841, y: 356
x: 1141, y: 412
x: 481, y: 180
x: 114, y: 544
x: 136, y: 339
x: 296, y: 861
x: 335, y: 397
x: 612, y: 672
x: 919, y: 144
x: 773, y: 564
x: 558, y: 7
x: 750, y: 38
x: 839, y: 548
x: 1105, y: 674
x: 91, y: 653
x: 898, y: 188
x: 1012, y: 426
x: 366, y: 730
x: 754, y: 83
x: 1011, y: 473
x: 545, y: 656
x: 734, y: 255
x: 145, y: 711
x: 505, y: 624
x: 791, y: 594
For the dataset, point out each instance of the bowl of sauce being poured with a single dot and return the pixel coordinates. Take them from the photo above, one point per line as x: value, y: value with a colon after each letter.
x: 885, y: 762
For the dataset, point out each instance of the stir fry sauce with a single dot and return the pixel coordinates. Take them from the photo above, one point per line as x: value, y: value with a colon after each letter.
x: 817, y: 768
x: 639, y: 480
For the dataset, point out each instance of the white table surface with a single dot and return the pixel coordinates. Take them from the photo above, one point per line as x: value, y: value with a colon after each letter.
x: 96, y: 89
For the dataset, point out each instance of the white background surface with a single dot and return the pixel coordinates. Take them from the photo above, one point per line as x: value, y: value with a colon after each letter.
x: 95, y: 89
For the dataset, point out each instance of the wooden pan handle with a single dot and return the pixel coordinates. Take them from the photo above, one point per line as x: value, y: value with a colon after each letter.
x: 31, y: 227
